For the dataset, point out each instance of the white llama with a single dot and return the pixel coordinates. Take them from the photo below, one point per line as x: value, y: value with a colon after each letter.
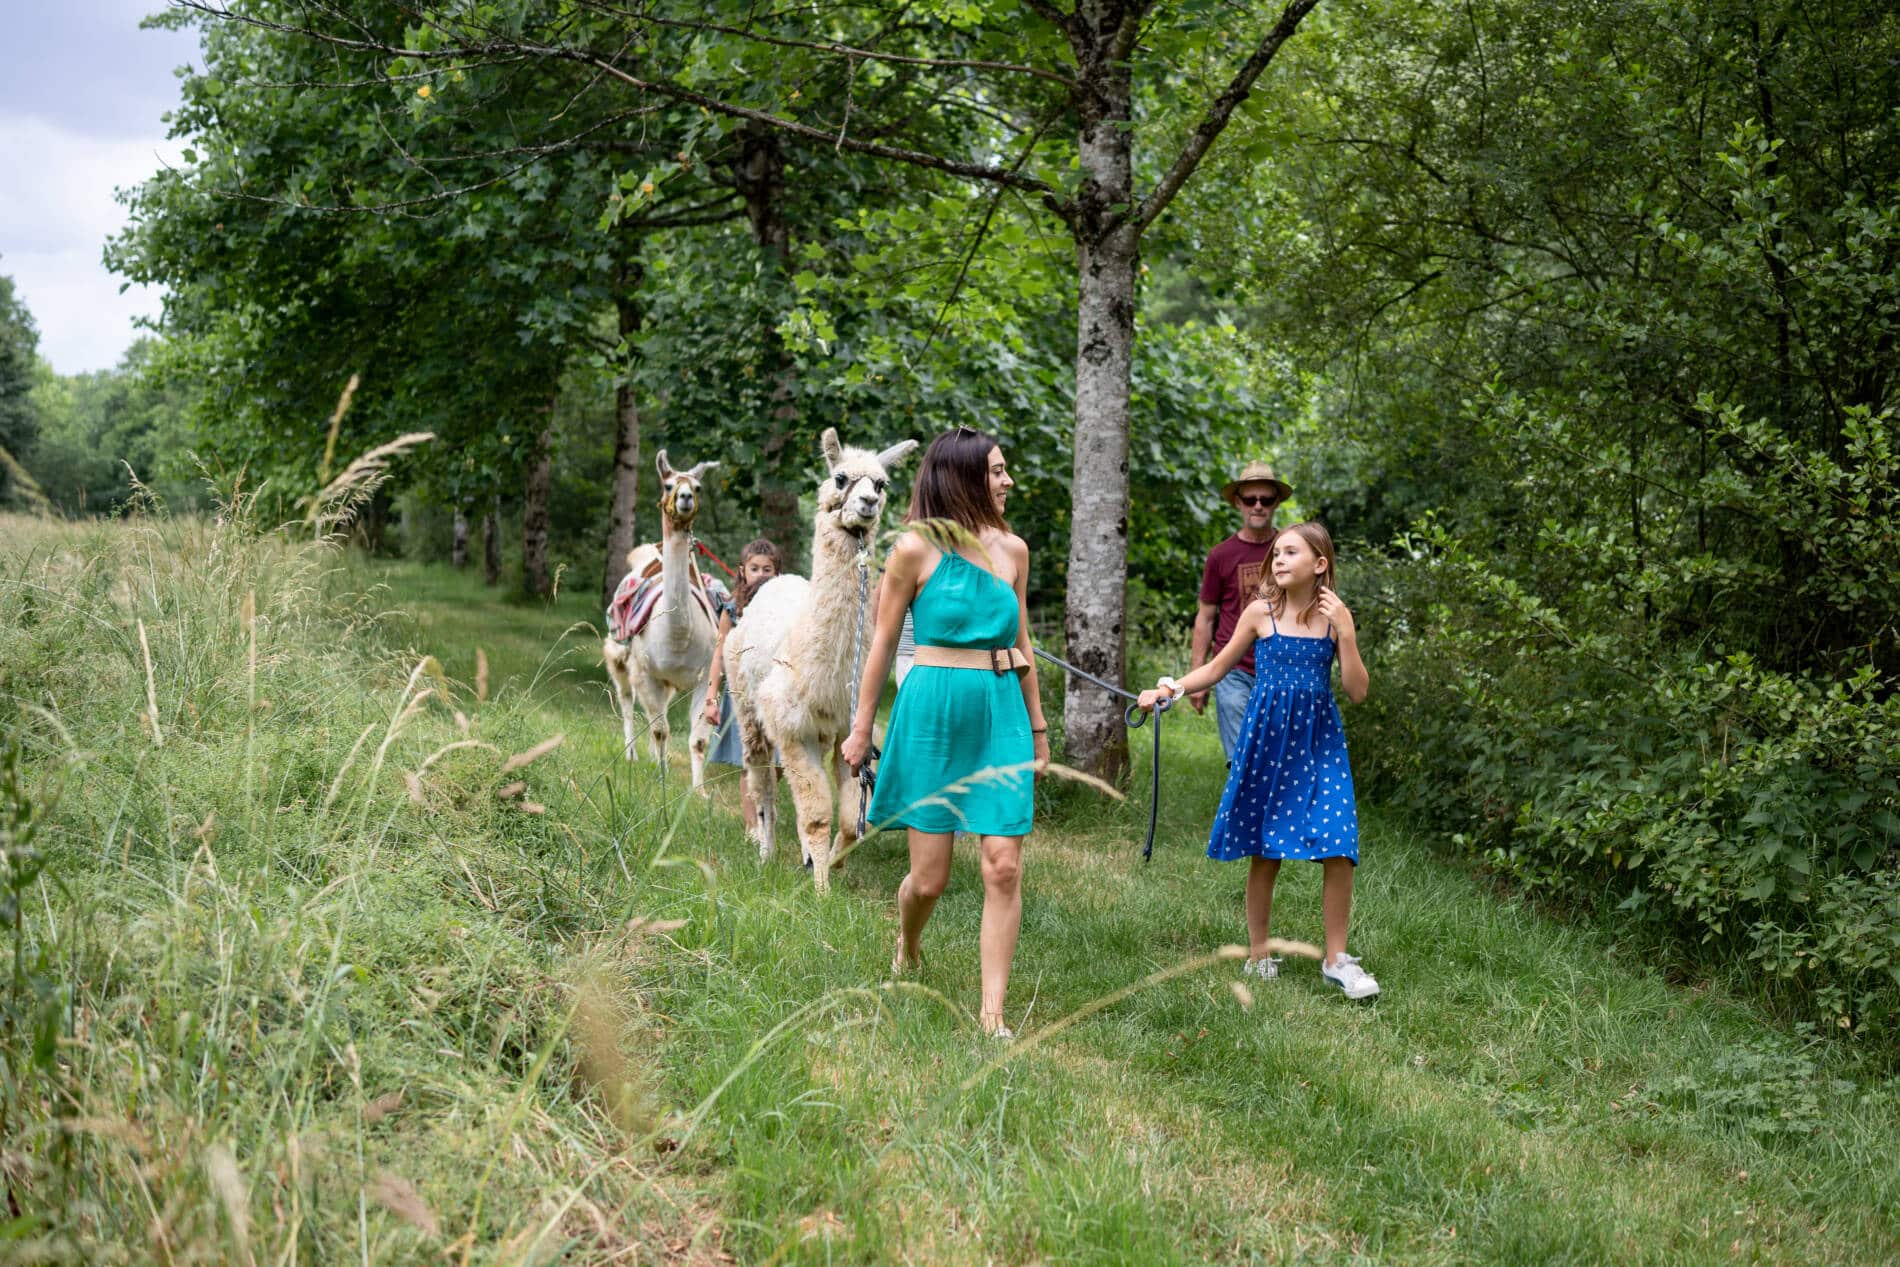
x: 790, y: 659
x: 671, y: 653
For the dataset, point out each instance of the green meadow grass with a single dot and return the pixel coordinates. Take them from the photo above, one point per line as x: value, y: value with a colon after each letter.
x: 310, y: 1010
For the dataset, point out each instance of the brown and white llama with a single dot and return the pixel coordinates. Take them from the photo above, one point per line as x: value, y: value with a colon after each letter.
x: 670, y: 654
x: 789, y: 659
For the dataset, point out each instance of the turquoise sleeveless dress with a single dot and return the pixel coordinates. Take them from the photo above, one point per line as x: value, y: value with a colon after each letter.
x: 949, y: 725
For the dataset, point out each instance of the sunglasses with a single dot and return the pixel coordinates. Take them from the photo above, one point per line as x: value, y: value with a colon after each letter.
x: 1254, y: 499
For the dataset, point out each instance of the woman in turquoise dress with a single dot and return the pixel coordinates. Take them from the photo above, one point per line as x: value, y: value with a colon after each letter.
x: 967, y: 732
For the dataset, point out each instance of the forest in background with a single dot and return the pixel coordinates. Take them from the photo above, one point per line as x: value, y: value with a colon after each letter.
x: 1576, y: 321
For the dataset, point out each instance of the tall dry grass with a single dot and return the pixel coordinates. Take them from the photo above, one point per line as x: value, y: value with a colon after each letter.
x: 299, y: 1008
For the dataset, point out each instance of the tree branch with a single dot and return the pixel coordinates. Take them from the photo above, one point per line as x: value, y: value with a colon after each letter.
x: 1203, y: 137
x: 1128, y: 34
x: 982, y: 229
x: 1407, y: 151
x: 839, y: 50
x: 684, y: 221
x: 916, y: 158
x: 374, y: 81
x: 571, y: 142
x: 381, y: 208
x: 585, y: 57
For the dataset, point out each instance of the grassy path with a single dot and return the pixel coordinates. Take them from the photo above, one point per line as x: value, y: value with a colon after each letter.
x: 1524, y: 1090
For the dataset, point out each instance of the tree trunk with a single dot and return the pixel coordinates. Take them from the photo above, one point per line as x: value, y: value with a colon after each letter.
x: 458, y: 548
x: 759, y: 176
x: 621, y: 529
x: 491, y: 545
x: 370, y: 524
x: 534, y: 511
x: 376, y: 519
x: 1106, y: 260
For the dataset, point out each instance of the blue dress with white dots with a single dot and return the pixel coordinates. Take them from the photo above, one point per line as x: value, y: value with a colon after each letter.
x: 1289, y: 794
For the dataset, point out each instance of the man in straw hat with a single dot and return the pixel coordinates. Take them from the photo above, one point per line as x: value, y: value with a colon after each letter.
x: 1228, y: 583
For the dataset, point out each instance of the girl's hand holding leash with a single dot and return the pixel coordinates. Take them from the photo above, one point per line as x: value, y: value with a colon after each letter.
x: 1166, y: 689
x: 1042, y: 751
x: 711, y: 710
x: 1339, y: 615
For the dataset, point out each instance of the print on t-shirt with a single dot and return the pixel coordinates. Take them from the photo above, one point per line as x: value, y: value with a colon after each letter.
x: 1229, y: 581
x: 1248, y: 575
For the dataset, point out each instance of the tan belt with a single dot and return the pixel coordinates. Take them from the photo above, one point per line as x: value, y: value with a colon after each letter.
x: 998, y: 660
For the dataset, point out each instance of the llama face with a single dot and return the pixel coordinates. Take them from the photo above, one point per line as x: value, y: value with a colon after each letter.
x: 858, y: 482
x: 856, y: 493
x: 679, y: 491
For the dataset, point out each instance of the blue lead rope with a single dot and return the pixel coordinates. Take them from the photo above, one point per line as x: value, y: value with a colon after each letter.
x: 1134, y: 719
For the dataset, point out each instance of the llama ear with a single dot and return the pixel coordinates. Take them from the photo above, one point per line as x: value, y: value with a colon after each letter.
x: 895, y: 454
x: 699, y: 472
x: 834, y: 452
x: 666, y: 467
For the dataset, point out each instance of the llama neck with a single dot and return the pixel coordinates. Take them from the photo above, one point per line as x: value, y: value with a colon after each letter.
x: 827, y: 633
x: 675, y: 611
x: 834, y: 555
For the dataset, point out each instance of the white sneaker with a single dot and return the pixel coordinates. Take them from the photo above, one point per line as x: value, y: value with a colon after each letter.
x: 1346, y: 973
x: 1267, y: 968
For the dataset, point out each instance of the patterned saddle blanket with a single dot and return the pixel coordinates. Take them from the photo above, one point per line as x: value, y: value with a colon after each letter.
x: 638, y: 595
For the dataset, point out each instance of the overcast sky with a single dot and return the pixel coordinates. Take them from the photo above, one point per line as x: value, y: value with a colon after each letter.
x: 82, y: 92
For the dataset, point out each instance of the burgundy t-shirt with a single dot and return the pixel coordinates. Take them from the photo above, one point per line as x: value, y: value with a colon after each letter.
x: 1230, y: 580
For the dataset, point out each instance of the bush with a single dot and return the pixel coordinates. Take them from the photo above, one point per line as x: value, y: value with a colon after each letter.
x: 1754, y: 810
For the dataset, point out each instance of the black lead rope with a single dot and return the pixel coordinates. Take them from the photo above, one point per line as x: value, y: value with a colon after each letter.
x: 867, y: 783
x: 1134, y: 719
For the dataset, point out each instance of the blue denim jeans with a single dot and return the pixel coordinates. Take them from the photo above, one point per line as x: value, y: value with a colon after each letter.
x: 1231, y: 694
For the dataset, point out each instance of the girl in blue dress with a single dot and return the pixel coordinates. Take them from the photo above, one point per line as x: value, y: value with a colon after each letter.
x: 758, y: 563
x: 1289, y: 792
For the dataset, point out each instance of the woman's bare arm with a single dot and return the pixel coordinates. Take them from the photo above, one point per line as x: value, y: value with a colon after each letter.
x: 895, y: 591
x: 1018, y: 550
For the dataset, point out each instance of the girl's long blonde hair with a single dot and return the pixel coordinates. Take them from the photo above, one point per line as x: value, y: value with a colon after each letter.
x: 1314, y: 533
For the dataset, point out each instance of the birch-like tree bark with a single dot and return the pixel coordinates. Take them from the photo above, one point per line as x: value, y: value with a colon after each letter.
x: 1106, y: 254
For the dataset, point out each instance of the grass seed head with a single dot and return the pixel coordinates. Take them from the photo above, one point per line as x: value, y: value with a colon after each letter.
x: 535, y: 753
x: 400, y: 1198
x: 222, y: 1169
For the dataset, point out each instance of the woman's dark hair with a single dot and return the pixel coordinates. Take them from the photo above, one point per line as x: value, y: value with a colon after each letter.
x: 742, y: 591
x: 954, y: 482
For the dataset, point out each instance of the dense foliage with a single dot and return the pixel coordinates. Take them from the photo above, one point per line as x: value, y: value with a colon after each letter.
x: 1618, y: 284
x: 19, y: 424
x: 101, y: 430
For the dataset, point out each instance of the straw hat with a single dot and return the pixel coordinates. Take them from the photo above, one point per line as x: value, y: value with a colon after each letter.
x: 1255, y: 473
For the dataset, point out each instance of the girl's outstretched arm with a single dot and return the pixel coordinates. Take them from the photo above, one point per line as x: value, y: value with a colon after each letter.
x: 1352, y: 670
x: 1252, y: 617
